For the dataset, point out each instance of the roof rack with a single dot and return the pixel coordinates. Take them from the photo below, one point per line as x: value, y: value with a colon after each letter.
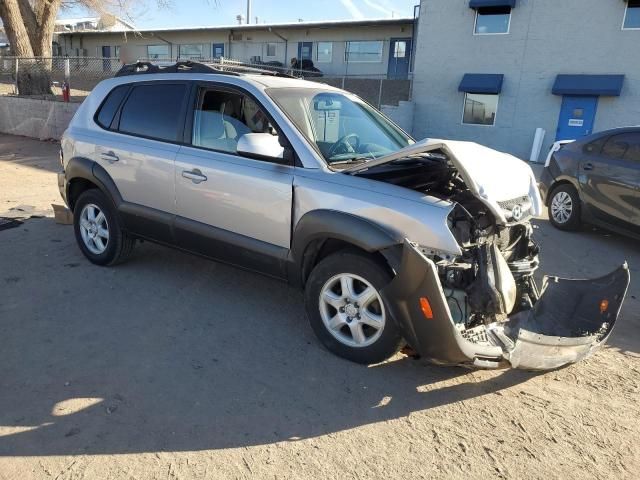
x: 225, y: 68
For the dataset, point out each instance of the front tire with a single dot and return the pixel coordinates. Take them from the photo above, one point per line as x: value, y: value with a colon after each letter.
x: 97, y: 231
x: 346, y: 311
x: 564, y: 207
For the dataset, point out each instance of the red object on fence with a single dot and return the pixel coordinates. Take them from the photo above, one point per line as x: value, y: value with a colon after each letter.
x: 66, y: 91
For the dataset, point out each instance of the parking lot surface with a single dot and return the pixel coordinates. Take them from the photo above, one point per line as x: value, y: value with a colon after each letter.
x: 172, y: 366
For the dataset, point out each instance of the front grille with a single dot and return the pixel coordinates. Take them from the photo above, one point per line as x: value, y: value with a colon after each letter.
x: 523, y: 202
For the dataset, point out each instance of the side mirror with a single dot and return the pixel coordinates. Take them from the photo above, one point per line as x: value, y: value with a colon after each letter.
x: 261, y: 146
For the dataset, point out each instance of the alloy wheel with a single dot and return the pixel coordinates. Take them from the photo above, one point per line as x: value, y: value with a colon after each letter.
x: 352, y: 310
x: 94, y: 229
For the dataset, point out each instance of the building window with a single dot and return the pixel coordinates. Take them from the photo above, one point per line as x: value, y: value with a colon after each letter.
x: 492, y: 20
x: 361, y: 52
x: 116, y: 51
x: 325, y: 52
x: 158, y: 52
x: 632, y: 15
x: 400, y: 49
x: 194, y: 51
x: 271, y: 49
x: 480, y: 109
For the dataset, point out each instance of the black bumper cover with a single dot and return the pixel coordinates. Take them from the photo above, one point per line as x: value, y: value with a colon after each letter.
x: 567, y: 324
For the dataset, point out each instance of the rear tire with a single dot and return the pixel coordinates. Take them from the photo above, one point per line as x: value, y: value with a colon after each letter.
x: 346, y: 311
x: 97, y: 231
x: 564, y: 208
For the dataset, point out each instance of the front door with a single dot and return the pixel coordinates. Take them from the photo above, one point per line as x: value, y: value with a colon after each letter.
x: 106, y: 53
x: 218, y: 50
x: 577, y: 116
x: 610, y: 180
x: 230, y: 207
x: 399, y: 58
x: 305, y: 50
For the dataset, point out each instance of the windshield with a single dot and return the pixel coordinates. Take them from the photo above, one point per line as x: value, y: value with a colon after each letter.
x: 343, y: 127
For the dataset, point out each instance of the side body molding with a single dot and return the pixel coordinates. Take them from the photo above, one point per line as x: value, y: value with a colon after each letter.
x: 317, y: 226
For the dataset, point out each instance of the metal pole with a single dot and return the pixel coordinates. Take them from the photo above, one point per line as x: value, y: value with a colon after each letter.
x: 248, y: 12
x: 16, y: 84
x: 380, y: 94
x: 67, y: 69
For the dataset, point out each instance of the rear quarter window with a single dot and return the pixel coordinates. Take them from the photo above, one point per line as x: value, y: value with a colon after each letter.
x: 110, y: 106
x: 153, y: 111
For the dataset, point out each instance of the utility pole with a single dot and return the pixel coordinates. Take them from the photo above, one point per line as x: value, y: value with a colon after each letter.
x: 248, y: 11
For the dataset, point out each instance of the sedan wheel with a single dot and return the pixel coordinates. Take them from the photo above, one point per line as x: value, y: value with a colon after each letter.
x: 561, y: 207
x: 352, y: 310
x: 94, y: 229
x: 564, y: 207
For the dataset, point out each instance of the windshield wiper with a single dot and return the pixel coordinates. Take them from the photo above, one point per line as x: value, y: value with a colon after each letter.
x: 349, y: 160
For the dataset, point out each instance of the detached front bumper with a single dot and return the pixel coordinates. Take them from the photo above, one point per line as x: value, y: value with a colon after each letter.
x: 569, y: 322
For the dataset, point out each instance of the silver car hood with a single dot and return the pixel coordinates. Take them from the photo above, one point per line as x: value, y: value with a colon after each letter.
x: 492, y: 176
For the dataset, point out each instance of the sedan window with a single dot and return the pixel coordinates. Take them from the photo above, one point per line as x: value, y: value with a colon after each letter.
x: 624, y: 145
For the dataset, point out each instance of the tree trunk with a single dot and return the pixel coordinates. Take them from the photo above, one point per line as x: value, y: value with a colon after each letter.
x: 15, y: 28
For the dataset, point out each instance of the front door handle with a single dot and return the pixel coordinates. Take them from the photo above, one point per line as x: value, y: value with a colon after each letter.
x: 587, y: 166
x: 194, y: 175
x: 109, y: 156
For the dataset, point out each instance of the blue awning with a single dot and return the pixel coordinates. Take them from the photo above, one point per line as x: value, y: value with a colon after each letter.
x: 609, y: 85
x: 481, y: 83
x: 492, y: 3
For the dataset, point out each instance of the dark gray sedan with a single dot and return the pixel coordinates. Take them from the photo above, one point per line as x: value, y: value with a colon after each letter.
x: 595, y: 180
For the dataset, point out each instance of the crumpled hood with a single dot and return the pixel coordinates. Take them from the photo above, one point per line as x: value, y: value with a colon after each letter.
x: 492, y: 176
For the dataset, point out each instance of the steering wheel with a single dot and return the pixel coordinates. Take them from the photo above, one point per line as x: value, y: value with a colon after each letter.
x: 343, y: 145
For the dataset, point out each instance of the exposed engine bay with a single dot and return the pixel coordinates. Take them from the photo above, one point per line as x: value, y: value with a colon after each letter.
x: 493, y: 277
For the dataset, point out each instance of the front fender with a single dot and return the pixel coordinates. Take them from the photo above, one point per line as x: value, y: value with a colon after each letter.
x: 332, y: 224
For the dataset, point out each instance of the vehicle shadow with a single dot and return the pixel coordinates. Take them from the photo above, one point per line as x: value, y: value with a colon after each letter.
x: 171, y: 352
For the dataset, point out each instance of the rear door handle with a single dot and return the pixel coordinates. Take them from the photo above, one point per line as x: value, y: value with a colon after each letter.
x: 587, y: 166
x: 194, y: 175
x: 109, y: 156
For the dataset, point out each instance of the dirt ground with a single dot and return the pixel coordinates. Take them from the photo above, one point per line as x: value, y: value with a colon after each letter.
x: 171, y: 366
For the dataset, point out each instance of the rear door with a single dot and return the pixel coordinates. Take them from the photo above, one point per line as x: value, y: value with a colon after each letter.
x: 138, y: 150
x: 230, y: 207
x: 610, y: 180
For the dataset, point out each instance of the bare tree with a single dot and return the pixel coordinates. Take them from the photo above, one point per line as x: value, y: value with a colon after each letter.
x: 29, y: 26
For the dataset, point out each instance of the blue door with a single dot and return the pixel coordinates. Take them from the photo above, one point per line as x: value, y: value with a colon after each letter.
x: 577, y: 115
x: 399, y: 58
x: 305, y: 50
x: 218, y: 50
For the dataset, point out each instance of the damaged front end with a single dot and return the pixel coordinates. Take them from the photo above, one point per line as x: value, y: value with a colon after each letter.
x: 488, y: 312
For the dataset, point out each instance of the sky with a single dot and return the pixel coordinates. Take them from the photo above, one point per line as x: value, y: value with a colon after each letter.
x: 184, y: 13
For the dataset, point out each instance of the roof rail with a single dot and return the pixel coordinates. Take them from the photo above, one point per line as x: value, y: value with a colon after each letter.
x: 231, y: 68
x: 141, y: 68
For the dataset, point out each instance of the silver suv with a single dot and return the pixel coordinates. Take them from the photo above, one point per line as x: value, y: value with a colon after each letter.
x: 394, y: 242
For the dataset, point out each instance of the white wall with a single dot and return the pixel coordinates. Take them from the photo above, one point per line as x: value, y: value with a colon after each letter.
x: 253, y: 43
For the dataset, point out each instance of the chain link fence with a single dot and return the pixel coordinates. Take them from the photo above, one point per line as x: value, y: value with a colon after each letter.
x: 73, y: 78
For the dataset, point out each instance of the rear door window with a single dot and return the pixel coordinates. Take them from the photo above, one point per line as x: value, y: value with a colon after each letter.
x: 110, y: 106
x: 154, y: 111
